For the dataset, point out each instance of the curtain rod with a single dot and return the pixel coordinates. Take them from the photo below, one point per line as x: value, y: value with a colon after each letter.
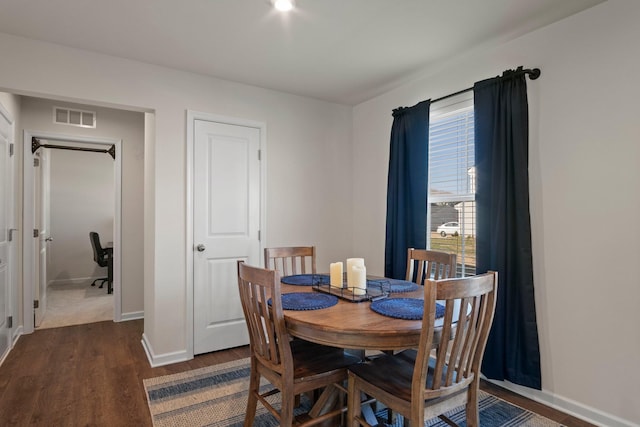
x: 35, y: 144
x: 533, y: 74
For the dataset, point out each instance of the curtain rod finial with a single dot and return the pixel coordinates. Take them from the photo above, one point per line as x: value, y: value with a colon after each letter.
x: 535, y: 73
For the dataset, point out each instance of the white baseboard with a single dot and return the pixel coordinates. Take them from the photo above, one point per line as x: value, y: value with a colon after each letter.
x: 568, y: 406
x: 16, y: 334
x: 4, y: 356
x: 134, y: 315
x: 14, y: 339
x: 163, y: 359
x: 74, y: 281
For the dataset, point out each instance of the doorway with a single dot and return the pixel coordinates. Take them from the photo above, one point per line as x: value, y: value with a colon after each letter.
x: 76, y: 194
x: 35, y: 240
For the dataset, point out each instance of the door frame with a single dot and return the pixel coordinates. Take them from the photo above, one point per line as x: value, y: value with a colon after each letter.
x: 192, y: 116
x: 12, y: 255
x: 42, y: 200
x: 28, y: 266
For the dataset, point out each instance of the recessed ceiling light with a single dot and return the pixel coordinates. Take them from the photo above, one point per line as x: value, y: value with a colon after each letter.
x: 283, y: 5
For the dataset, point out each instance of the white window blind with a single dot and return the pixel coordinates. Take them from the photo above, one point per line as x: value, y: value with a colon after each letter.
x: 451, y: 214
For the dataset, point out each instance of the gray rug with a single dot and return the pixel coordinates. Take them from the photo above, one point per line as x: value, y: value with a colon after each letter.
x: 216, y: 396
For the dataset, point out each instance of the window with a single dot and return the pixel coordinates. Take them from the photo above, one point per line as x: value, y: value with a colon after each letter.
x: 451, y: 218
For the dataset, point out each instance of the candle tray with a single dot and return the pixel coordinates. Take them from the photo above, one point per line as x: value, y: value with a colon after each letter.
x: 376, y: 289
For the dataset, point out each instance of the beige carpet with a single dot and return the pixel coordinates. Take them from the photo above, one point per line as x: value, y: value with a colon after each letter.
x: 75, y: 304
x: 216, y: 396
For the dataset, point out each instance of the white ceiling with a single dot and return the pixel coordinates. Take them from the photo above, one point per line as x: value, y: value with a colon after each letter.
x: 343, y: 51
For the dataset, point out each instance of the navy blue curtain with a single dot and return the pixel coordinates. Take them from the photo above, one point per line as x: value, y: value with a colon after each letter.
x: 504, y: 226
x: 407, y: 187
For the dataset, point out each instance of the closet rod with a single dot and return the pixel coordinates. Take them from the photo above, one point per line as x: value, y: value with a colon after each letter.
x: 533, y: 74
x: 35, y: 144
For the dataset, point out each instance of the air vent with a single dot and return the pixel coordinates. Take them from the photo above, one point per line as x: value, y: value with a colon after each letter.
x: 80, y: 118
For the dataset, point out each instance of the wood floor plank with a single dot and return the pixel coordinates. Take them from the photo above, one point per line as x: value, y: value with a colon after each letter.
x: 19, y: 400
x: 91, y: 375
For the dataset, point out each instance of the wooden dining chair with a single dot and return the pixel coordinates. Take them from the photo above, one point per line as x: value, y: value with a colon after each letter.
x: 424, y: 387
x: 427, y: 264
x: 291, y: 260
x: 292, y: 367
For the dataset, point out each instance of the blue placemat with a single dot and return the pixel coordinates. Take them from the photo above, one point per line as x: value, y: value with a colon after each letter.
x: 397, y: 286
x: 306, y: 279
x: 307, y: 301
x: 403, y: 308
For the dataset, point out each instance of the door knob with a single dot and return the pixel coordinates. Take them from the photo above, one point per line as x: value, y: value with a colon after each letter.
x: 200, y: 247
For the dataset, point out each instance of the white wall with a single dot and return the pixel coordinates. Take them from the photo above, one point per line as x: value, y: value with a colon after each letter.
x: 308, y: 159
x: 149, y: 223
x: 584, y: 177
x: 37, y: 115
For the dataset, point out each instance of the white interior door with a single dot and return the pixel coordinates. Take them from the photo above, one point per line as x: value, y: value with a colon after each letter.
x: 6, y: 205
x: 41, y: 221
x: 226, y: 223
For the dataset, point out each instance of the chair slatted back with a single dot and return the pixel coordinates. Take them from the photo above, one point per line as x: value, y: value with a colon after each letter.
x: 291, y: 260
x: 423, y: 264
x: 268, y: 335
x: 469, y: 309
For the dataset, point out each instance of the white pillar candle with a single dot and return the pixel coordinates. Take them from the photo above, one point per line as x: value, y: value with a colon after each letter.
x: 359, y: 273
x: 350, y: 263
x: 335, y: 274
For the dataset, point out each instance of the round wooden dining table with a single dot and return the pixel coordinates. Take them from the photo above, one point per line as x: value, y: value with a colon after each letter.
x: 353, y: 325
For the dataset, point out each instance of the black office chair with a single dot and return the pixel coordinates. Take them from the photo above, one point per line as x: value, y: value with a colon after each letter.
x: 102, y: 257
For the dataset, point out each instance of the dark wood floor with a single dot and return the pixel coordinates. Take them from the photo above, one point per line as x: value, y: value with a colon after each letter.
x: 91, y: 375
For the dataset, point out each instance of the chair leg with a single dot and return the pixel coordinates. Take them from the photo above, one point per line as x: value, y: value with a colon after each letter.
x: 252, y: 400
x: 353, y: 403
x: 101, y: 279
x: 472, y: 409
x: 286, y: 410
x: 416, y: 419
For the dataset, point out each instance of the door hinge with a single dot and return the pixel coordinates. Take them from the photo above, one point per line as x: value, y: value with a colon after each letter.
x: 36, y: 232
x: 36, y: 303
x: 10, y: 322
x: 36, y: 162
x: 11, y: 149
x: 259, y: 154
x: 259, y: 236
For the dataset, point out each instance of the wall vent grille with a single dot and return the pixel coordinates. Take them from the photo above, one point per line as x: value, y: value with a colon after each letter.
x: 73, y: 117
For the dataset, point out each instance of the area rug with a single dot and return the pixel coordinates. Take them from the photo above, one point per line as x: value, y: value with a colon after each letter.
x: 216, y: 396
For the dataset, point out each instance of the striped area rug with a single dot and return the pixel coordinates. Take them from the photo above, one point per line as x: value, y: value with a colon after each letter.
x: 216, y: 396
